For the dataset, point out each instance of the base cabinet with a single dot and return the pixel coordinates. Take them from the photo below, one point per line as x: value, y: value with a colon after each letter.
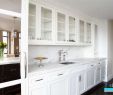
x: 59, y: 87
x: 72, y: 82
x: 90, y: 77
x: 98, y: 75
x: 41, y: 90
x: 77, y: 83
x: 74, y: 89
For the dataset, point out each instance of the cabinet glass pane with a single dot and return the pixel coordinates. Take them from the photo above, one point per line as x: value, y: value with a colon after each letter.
x: 88, y: 39
x: 46, y: 24
x: 61, y: 27
x: 32, y: 21
x: 72, y: 34
x: 82, y: 31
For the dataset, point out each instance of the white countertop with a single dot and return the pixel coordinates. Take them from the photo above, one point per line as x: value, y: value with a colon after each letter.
x: 50, y: 67
x: 10, y: 60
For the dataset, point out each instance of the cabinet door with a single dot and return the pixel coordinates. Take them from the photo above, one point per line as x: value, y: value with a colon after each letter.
x: 102, y: 71
x: 74, y: 84
x: 82, y: 82
x: 90, y: 77
x: 40, y: 90
x: 82, y: 31
x: 61, y: 27
x: 32, y: 22
x: 72, y: 32
x: 59, y: 87
x: 46, y: 24
x: 88, y: 32
x: 98, y: 75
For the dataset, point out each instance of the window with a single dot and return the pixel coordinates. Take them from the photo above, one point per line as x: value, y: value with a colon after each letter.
x: 5, y: 40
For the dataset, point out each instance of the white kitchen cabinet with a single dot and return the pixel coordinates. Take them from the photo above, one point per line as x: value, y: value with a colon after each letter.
x: 82, y: 81
x: 102, y: 70
x: 90, y: 76
x: 72, y: 29
x: 81, y: 31
x: 39, y: 90
x: 74, y: 84
x: 58, y: 83
x: 51, y: 26
x: 98, y: 74
x: 59, y: 87
x: 32, y: 21
x: 61, y: 27
x: 77, y: 83
x: 88, y: 33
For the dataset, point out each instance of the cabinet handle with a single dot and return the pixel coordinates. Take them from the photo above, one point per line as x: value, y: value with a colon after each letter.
x: 99, y: 63
x: 60, y: 74
x: 39, y: 80
x: 92, y: 65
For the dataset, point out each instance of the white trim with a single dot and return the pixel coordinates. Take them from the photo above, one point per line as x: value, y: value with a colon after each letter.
x: 10, y: 83
x: 10, y: 13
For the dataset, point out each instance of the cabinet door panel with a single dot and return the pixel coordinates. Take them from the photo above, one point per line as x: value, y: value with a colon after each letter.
x: 98, y: 75
x: 102, y: 71
x: 90, y: 77
x: 60, y: 87
x: 39, y: 91
x: 82, y: 82
x: 74, y: 84
x: 61, y: 25
x: 46, y: 24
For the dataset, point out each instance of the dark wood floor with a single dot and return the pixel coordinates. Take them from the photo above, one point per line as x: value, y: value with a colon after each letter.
x: 99, y: 90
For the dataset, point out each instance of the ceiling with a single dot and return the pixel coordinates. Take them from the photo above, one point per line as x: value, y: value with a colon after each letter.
x: 11, y: 5
x: 95, y: 8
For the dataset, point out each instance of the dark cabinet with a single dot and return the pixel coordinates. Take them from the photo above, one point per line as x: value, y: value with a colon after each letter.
x: 12, y: 90
x: 9, y: 72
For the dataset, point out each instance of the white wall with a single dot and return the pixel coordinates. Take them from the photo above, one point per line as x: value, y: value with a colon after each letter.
x: 110, y: 49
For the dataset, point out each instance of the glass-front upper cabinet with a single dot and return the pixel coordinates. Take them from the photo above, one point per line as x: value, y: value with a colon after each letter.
x: 46, y: 24
x: 61, y: 27
x: 82, y: 31
x: 88, y: 32
x: 72, y: 32
x: 32, y: 22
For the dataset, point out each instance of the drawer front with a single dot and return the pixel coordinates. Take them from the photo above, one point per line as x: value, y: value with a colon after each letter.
x: 11, y: 72
x: 57, y: 74
x: 37, y: 80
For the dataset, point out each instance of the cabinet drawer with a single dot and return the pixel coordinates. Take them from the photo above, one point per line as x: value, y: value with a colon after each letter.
x: 57, y: 74
x: 11, y: 72
x: 37, y: 80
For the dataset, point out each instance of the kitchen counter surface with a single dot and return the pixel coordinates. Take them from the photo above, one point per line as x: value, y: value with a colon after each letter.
x: 51, y: 67
x: 10, y: 60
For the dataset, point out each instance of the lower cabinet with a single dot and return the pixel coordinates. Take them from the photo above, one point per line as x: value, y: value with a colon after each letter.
x: 98, y: 74
x: 77, y: 83
x: 39, y: 90
x: 90, y: 76
x: 103, y: 66
x: 70, y: 82
x: 59, y: 87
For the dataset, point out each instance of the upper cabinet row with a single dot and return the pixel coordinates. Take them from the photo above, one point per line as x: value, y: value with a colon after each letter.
x: 48, y: 26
